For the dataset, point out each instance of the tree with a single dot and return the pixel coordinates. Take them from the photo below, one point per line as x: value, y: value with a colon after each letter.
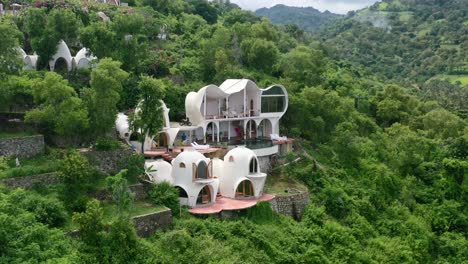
x: 46, y: 30
x: 394, y: 104
x: 260, y: 54
x: 121, y: 195
x: 148, y: 118
x: 100, y: 39
x: 59, y: 109
x: 106, y: 86
x: 304, y: 65
x: 165, y: 194
x: 24, y: 239
x: 10, y: 60
x: 77, y: 176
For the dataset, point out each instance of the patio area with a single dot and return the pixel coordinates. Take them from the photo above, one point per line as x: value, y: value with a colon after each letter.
x: 227, y: 204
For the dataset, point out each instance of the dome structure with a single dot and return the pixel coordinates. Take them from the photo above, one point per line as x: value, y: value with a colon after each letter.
x: 193, y: 174
x: 241, y: 177
x: 159, y: 171
x: 83, y: 59
x: 63, y: 52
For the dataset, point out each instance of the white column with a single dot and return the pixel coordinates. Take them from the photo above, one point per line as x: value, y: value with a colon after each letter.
x: 229, y: 130
x: 227, y: 106
x: 244, y: 100
x: 204, y: 133
x: 204, y: 111
x: 217, y: 133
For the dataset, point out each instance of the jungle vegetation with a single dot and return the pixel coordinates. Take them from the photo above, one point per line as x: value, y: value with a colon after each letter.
x: 382, y: 141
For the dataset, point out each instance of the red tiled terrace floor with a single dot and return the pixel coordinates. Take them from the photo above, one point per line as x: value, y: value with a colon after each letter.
x: 176, y: 150
x: 227, y: 204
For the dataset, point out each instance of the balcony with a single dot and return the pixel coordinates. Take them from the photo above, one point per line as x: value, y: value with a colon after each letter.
x: 256, y: 175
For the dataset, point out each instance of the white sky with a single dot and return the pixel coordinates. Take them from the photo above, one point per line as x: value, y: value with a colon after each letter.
x: 334, y: 6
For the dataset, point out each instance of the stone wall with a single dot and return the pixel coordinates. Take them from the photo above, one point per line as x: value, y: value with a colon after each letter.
x: 291, y: 205
x: 109, y: 162
x: 264, y: 163
x: 147, y: 224
x: 22, y: 146
x: 29, y: 182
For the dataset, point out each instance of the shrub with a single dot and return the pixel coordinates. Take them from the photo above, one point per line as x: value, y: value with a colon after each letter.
x: 135, y: 167
x: 165, y: 194
x: 46, y: 210
x: 104, y: 144
x: 4, y: 163
x: 121, y: 195
x: 262, y: 213
x: 76, y: 174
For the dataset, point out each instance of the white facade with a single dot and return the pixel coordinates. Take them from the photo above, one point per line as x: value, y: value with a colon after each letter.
x: 192, y: 174
x: 159, y: 171
x: 240, y: 175
x: 237, y: 109
x: 200, y: 179
x: 83, y: 58
x: 123, y: 129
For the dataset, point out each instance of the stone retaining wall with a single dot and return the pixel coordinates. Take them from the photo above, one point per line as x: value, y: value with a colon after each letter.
x: 147, y: 224
x: 292, y: 205
x: 109, y: 162
x: 264, y: 163
x: 22, y: 146
x: 28, y: 182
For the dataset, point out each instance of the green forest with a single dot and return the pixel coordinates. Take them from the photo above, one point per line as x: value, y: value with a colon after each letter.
x: 377, y: 104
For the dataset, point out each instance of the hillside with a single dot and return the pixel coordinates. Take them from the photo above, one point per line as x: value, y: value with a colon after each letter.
x: 404, y: 39
x: 307, y: 18
x: 380, y: 142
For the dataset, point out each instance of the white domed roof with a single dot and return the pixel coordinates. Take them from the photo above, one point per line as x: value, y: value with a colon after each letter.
x: 159, y: 170
x: 189, y: 156
x: 239, y: 154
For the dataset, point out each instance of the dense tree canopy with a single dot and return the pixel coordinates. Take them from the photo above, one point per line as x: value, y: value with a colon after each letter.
x: 381, y: 141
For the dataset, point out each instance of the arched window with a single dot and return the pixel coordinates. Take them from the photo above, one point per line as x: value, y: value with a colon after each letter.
x: 182, y: 165
x: 253, y: 167
x: 231, y: 159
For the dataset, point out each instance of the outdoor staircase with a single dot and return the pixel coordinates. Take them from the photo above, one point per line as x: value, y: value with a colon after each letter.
x: 167, y: 157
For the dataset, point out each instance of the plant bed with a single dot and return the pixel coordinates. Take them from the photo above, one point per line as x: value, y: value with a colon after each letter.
x: 110, y: 211
x: 28, y: 166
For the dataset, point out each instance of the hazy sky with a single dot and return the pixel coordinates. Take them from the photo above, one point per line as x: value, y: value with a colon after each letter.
x: 335, y: 6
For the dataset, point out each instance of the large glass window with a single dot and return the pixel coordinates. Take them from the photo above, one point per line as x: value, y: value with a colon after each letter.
x: 272, y: 104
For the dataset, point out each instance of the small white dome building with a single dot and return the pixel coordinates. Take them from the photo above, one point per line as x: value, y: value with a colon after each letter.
x: 159, y: 171
x: 241, y: 177
x: 63, y: 53
x: 83, y: 59
x: 193, y: 176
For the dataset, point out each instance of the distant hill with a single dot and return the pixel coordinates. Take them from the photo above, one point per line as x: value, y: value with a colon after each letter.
x: 404, y: 39
x: 307, y: 18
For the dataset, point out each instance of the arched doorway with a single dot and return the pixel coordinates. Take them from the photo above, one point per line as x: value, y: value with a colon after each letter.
x: 182, y: 192
x: 204, y: 196
x: 250, y: 129
x: 244, y: 189
x: 162, y: 140
x: 211, y: 132
x: 61, y: 65
x: 265, y: 129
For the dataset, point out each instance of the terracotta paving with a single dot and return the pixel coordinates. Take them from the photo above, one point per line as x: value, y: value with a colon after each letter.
x: 223, y: 203
x: 176, y: 150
